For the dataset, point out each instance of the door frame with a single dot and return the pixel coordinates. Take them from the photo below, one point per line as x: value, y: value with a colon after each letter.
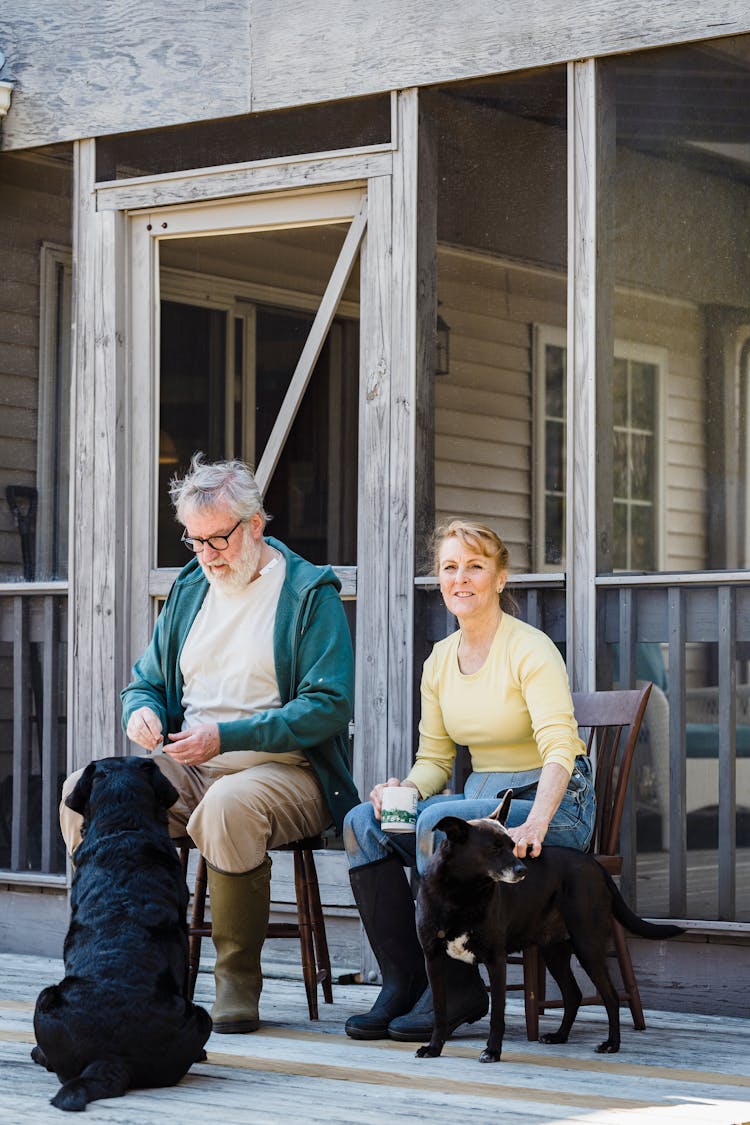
x: 114, y: 420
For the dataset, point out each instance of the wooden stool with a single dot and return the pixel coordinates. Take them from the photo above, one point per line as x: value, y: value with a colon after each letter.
x: 309, y: 927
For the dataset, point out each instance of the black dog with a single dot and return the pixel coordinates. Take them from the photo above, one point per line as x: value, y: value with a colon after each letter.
x: 477, y: 902
x: 119, y: 1018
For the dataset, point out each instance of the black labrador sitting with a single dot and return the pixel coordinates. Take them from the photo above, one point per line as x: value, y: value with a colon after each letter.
x: 119, y: 1018
x: 477, y: 902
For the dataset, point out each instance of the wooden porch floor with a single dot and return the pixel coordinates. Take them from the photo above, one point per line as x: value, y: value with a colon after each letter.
x: 692, y: 1069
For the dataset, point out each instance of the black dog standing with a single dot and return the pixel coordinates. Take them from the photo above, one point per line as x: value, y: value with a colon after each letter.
x: 477, y: 902
x: 119, y: 1018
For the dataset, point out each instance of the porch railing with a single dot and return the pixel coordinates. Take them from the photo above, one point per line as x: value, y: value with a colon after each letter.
x: 33, y: 727
x: 686, y: 833
x: 690, y: 634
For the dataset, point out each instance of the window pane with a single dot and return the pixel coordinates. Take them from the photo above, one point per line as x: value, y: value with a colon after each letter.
x: 35, y: 347
x: 642, y: 483
x: 641, y: 537
x: 620, y: 464
x: 233, y: 140
x: 555, y: 381
x: 642, y: 387
x: 555, y: 467
x: 555, y: 523
x: 501, y: 204
x: 681, y: 202
x: 620, y: 392
x: 620, y: 536
x: 225, y: 372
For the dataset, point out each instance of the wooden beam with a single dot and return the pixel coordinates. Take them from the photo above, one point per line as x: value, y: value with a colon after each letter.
x: 310, y: 352
x: 253, y: 178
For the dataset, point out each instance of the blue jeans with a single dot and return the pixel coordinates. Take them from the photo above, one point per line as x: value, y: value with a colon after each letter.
x: 571, y: 827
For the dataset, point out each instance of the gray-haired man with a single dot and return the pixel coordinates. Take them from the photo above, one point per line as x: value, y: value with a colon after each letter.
x: 246, y: 688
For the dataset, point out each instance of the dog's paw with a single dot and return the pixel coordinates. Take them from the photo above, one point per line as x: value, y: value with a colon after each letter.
x: 608, y: 1047
x: 553, y: 1037
x: 428, y: 1052
x: 489, y: 1056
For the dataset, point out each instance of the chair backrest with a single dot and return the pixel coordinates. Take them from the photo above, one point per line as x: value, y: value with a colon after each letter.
x: 605, y: 715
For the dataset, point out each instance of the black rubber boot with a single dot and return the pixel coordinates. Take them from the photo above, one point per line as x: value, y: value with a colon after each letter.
x: 382, y: 893
x: 468, y: 1000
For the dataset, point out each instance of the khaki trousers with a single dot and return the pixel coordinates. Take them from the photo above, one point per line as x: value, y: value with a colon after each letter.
x: 232, y: 814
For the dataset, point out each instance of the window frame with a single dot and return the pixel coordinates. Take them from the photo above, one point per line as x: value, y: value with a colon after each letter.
x: 547, y: 335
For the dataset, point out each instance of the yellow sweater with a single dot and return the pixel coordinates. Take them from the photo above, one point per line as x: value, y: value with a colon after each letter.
x: 515, y: 713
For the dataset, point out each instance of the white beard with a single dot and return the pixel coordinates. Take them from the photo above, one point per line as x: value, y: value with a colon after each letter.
x: 237, y: 576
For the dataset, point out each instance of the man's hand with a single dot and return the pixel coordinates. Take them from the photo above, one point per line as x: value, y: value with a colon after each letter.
x: 196, y: 746
x: 144, y: 728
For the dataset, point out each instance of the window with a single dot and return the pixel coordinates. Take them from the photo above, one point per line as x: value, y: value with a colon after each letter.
x: 53, y: 470
x: 636, y: 453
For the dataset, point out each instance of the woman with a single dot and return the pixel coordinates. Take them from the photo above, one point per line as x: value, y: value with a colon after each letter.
x: 500, y: 687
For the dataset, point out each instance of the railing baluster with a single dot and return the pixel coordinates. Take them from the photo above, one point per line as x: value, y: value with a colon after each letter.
x: 727, y: 715
x: 19, y: 849
x: 677, y: 764
x: 627, y: 680
x: 50, y: 676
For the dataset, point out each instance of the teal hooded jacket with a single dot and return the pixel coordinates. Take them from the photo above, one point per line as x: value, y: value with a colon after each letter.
x: 314, y: 669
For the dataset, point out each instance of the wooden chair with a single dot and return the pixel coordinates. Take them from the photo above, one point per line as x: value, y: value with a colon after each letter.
x: 309, y: 927
x: 605, y: 714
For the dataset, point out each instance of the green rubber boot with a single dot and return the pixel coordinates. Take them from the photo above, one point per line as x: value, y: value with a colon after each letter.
x: 240, y: 906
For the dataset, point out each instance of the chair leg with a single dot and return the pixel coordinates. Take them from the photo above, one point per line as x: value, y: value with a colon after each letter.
x: 317, y: 923
x: 628, y: 976
x: 197, y: 919
x: 531, y: 967
x: 307, y: 948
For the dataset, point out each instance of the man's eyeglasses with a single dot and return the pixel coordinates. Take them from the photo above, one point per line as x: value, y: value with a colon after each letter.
x: 215, y: 542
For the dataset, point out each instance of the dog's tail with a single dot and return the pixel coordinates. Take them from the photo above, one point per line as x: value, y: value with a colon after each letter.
x: 101, y: 1079
x: 632, y: 922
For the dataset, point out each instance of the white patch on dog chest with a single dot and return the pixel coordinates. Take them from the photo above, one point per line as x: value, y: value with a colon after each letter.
x: 457, y: 949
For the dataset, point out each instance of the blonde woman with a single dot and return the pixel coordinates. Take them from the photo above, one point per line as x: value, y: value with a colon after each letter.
x: 500, y: 687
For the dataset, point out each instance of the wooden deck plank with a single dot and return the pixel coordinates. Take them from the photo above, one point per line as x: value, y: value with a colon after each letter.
x: 687, y: 1069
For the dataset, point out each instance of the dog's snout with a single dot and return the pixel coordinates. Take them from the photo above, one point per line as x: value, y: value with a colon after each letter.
x: 519, y: 870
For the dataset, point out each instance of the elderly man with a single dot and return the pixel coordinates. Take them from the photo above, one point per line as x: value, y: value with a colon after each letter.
x: 246, y: 688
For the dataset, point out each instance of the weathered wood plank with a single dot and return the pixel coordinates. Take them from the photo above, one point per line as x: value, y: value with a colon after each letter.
x: 96, y: 435
x: 591, y: 128
x: 689, y: 1067
x: 83, y: 72
x: 250, y: 179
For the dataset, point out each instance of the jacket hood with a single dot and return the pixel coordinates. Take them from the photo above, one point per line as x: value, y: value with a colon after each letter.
x: 301, y: 575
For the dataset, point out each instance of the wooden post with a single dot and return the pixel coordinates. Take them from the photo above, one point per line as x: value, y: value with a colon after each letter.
x: 97, y: 566
x: 591, y: 139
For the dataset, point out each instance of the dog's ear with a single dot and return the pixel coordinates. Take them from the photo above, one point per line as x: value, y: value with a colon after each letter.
x: 501, y: 812
x: 456, y: 830
x: 79, y: 798
x: 166, y: 794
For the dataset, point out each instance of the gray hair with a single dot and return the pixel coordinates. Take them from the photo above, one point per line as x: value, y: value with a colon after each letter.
x: 208, y: 484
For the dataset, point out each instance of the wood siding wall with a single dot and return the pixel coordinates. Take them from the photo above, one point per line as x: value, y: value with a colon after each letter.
x: 483, y: 430
x: 35, y: 207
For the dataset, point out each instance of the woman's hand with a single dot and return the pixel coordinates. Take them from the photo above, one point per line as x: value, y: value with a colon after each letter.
x: 196, y: 746
x: 144, y: 728
x: 376, y: 797
x: 528, y: 837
